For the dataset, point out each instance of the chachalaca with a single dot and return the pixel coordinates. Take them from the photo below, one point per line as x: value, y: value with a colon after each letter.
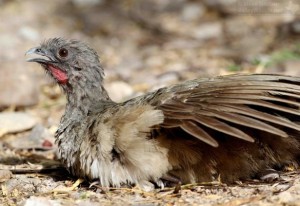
x: 230, y: 127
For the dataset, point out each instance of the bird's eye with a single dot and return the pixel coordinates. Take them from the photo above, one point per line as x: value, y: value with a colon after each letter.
x: 77, y: 69
x: 63, y: 52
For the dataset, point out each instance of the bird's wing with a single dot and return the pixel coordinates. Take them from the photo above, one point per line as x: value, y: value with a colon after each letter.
x: 229, y: 104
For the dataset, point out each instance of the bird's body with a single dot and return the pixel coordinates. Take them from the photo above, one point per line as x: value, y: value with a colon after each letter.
x: 231, y: 127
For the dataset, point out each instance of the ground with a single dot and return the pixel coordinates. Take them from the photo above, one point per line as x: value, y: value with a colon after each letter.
x: 143, y: 45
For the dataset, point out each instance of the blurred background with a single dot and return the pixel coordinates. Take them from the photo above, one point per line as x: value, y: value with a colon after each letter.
x: 146, y: 44
x: 143, y: 45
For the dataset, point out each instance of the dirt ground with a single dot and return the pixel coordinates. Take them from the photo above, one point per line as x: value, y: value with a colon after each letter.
x: 143, y: 45
x: 52, y: 185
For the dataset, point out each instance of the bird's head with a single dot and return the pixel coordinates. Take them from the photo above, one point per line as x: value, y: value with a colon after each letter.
x: 70, y: 62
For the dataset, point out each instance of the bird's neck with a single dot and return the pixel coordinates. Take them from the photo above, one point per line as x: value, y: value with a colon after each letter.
x: 81, y: 102
x: 83, y: 99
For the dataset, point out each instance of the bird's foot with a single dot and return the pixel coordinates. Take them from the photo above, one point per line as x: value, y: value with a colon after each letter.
x: 68, y: 189
x: 269, y: 175
x: 170, y: 180
x: 145, y: 186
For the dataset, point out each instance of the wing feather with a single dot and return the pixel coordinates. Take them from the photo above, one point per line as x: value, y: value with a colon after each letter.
x: 196, y: 131
x: 218, y: 125
x: 230, y: 105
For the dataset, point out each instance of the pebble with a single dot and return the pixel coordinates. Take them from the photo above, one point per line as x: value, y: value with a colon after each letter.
x: 168, y: 78
x: 208, y: 31
x: 18, y: 85
x: 296, y: 26
x: 192, y: 11
x: 291, y: 67
x: 286, y: 198
x: 287, y: 67
x: 87, y: 2
x: 23, y: 184
x: 39, y: 137
x: 5, y: 175
x: 29, y: 33
x: 12, y: 122
x: 41, y: 201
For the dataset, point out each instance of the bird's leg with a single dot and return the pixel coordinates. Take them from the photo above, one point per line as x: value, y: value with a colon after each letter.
x: 170, y: 180
x: 269, y: 175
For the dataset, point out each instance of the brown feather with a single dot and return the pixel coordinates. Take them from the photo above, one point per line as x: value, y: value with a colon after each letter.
x: 196, y: 131
x: 246, y: 122
x: 226, y: 97
x: 217, y: 125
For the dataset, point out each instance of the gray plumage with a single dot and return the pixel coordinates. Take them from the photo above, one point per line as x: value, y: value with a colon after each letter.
x: 230, y: 127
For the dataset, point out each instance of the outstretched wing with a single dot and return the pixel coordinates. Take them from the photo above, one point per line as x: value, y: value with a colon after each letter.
x: 230, y: 105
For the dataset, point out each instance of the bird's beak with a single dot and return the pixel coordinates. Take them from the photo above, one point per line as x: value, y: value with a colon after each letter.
x: 38, y: 55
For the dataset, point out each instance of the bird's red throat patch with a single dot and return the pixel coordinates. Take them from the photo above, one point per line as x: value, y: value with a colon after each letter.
x: 58, y: 74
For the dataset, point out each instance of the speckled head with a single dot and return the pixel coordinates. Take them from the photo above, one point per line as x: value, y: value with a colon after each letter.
x: 69, y: 62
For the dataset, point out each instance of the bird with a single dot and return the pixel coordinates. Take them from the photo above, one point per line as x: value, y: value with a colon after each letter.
x: 229, y: 127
